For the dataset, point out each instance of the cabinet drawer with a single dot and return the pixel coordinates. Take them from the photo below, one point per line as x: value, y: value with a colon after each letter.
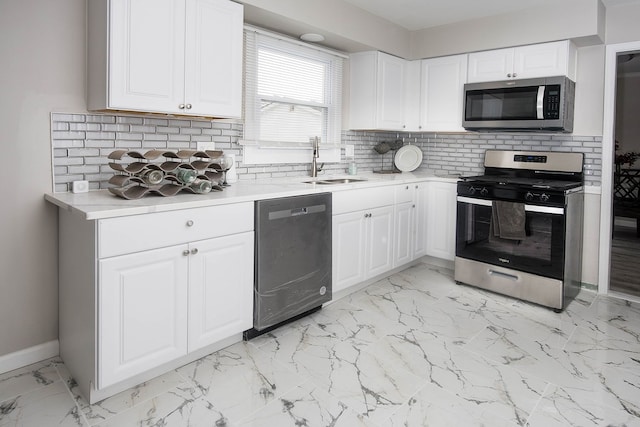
x: 118, y: 236
x: 366, y: 198
x: 404, y: 193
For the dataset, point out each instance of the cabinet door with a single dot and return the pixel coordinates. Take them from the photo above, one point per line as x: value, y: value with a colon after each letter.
x: 541, y: 60
x: 443, y: 82
x: 491, y: 65
x: 390, y: 92
x: 379, y: 242
x: 420, y: 220
x: 146, y: 58
x: 220, y: 288
x: 412, y: 96
x: 403, y: 239
x: 348, y: 247
x: 142, y: 312
x: 441, y: 220
x: 213, y: 58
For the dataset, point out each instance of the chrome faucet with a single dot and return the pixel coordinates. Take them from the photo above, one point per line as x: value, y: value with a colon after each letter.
x: 316, y: 154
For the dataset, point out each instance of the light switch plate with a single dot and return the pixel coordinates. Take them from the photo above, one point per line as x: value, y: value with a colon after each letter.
x: 349, y: 150
x: 205, y: 145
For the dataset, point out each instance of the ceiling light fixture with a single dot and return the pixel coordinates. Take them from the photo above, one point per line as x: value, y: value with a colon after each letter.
x: 312, y: 37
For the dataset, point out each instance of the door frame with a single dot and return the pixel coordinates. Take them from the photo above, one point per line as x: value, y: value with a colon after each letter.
x: 609, y: 122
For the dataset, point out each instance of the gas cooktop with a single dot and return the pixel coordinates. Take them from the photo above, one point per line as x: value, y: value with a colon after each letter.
x: 551, y: 184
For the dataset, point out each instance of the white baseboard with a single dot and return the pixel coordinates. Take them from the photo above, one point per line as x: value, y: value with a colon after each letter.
x: 30, y: 355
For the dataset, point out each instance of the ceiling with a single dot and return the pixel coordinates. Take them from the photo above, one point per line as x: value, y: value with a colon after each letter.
x: 419, y: 14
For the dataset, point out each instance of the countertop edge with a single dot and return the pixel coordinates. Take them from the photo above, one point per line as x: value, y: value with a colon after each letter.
x: 101, y: 204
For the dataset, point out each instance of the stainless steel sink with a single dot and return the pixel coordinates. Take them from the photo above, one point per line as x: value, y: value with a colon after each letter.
x: 335, y: 181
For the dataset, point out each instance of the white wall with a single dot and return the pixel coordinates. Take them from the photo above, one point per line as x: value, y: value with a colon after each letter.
x: 622, y: 24
x: 570, y: 19
x: 42, y: 51
x: 345, y: 26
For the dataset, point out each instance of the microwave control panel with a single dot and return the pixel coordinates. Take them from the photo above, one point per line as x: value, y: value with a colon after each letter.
x: 552, y: 102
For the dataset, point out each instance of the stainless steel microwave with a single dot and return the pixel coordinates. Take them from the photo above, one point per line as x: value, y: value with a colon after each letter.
x: 544, y: 104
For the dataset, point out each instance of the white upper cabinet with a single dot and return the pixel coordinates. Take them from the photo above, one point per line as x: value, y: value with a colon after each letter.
x: 539, y: 60
x: 442, y: 89
x: 433, y: 94
x: 166, y: 56
x: 377, y: 91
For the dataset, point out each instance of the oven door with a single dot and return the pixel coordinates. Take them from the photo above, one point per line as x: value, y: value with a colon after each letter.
x: 540, y: 253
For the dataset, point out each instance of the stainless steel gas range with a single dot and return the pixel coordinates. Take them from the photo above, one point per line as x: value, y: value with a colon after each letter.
x: 519, y: 226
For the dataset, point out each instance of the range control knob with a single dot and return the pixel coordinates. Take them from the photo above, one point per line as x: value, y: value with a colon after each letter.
x: 484, y: 191
x: 472, y: 190
x: 529, y: 195
x: 544, y: 197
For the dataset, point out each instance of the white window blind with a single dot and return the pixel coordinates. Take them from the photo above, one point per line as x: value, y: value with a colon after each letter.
x: 293, y: 93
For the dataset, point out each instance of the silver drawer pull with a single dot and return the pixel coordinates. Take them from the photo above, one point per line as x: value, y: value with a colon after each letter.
x: 190, y: 223
x: 194, y: 251
x: 504, y: 275
x: 185, y: 252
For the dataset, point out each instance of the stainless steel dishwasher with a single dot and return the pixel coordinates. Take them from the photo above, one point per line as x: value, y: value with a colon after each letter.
x: 292, y: 259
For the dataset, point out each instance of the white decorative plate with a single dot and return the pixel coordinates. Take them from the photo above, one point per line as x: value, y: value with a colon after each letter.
x: 408, y: 158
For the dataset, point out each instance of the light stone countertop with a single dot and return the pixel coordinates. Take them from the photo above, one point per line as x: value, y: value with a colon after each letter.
x: 101, y: 204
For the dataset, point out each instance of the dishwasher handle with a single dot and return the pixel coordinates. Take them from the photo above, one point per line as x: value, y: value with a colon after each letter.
x: 288, y: 213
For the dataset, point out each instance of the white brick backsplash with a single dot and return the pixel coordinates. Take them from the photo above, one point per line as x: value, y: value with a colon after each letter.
x: 78, y: 155
x: 129, y: 120
x: 155, y: 122
x: 67, y: 135
x: 84, y: 126
x: 101, y: 119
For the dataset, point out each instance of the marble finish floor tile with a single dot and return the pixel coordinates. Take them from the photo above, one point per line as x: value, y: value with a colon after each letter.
x: 413, y: 350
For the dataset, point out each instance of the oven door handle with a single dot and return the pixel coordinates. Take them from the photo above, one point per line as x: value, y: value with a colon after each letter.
x: 527, y: 208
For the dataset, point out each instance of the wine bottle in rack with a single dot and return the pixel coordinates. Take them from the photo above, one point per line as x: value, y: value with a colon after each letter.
x: 152, y: 176
x: 200, y: 186
x: 185, y: 175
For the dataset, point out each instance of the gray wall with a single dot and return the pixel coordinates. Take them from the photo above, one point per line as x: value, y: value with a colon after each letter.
x: 42, y: 50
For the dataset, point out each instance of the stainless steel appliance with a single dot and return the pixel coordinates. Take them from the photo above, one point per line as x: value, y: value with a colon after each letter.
x: 528, y: 104
x: 519, y: 226
x: 292, y: 260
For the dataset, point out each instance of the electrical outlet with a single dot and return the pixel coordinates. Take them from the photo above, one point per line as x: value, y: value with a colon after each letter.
x: 349, y: 150
x: 205, y: 145
x: 79, y: 186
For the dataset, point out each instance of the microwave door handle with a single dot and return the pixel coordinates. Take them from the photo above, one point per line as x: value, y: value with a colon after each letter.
x: 540, y: 103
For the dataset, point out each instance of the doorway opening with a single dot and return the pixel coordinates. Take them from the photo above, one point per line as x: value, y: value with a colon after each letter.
x: 624, y: 274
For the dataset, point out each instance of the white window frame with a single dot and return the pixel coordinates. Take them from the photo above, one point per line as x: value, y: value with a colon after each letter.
x: 275, y: 152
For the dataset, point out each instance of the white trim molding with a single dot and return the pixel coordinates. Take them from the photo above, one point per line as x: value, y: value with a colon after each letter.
x: 28, y: 356
x: 610, y: 77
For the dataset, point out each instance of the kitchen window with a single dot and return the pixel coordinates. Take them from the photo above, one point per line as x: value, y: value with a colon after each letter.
x: 293, y: 92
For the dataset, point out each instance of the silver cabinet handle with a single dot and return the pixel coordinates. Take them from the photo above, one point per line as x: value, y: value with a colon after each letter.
x: 181, y: 106
x: 515, y: 75
x: 413, y: 206
x: 190, y: 223
x: 194, y: 251
x: 509, y: 75
x: 416, y: 186
x: 185, y: 252
x: 188, y: 106
x: 406, y: 188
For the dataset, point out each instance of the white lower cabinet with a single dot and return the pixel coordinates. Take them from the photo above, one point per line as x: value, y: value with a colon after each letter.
x: 410, y: 222
x: 362, y: 235
x: 142, y: 312
x: 220, y: 289
x: 362, y: 245
x: 145, y: 293
x: 441, y: 220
